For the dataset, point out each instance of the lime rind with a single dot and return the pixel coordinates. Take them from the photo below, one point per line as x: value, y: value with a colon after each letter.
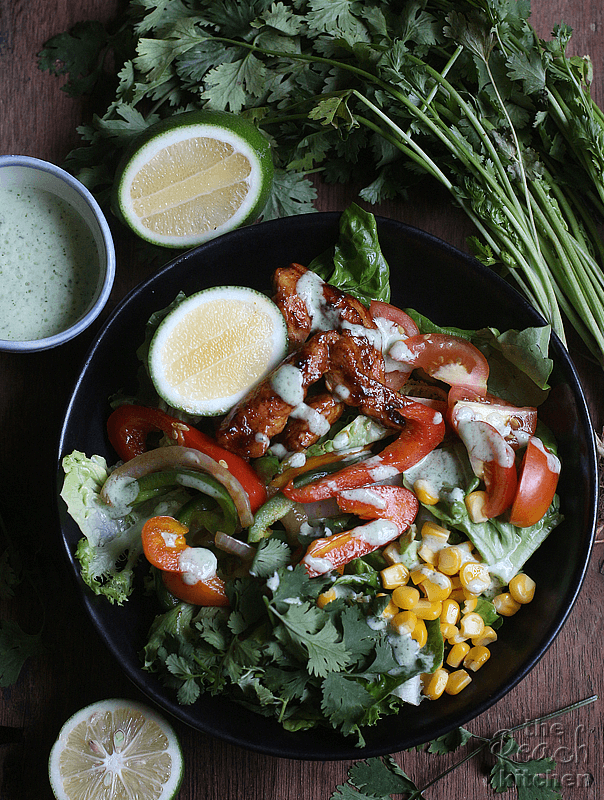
x: 169, y: 789
x: 222, y: 126
x: 218, y: 405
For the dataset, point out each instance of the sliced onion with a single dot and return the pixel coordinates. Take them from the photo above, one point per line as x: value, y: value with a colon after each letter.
x: 229, y: 544
x: 188, y: 458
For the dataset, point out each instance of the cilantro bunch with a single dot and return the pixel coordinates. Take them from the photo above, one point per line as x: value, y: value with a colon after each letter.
x: 277, y: 652
x: 382, y: 94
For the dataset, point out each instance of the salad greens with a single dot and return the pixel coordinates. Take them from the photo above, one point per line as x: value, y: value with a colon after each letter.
x: 276, y: 648
x: 380, y: 94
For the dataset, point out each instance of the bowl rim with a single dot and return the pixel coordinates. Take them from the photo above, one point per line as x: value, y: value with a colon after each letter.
x: 47, y: 342
x: 288, y: 746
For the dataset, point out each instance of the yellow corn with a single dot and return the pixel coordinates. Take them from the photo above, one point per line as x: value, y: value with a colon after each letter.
x: 437, y: 586
x: 470, y: 603
x: 457, y: 681
x: 449, y: 560
x: 505, y: 604
x: 474, y: 577
x: 326, y: 597
x: 419, y: 574
x: 404, y: 622
x: 476, y: 658
x: 406, y: 596
x: 522, y: 588
x: 425, y: 609
x: 425, y: 493
x: 420, y: 632
x: 440, y: 534
x: 435, y: 684
x: 471, y: 625
x: 394, y: 575
x: 427, y: 554
x: 475, y: 506
x: 450, y: 611
x: 392, y: 553
x: 448, y: 629
x: 390, y: 611
x: 488, y: 636
x: 456, y: 637
x: 457, y: 654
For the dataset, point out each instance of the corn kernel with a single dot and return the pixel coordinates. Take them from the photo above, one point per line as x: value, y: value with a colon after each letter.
x: 457, y: 681
x: 476, y: 658
x: 392, y: 553
x: 420, y: 632
x: 448, y: 629
x: 458, y: 594
x: 456, y: 637
x: 425, y: 609
x: 433, y: 530
x: 326, y: 597
x: 522, y: 588
x: 474, y: 577
x: 505, y: 604
x: 394, y: 575
x: 488, y: 636
x: 406, y: 596
x: 457, y: 654
x: 390, y: 611
x: 427, y: 554
x: 404, y: 622
x: 471, y: 625
x: 449, y: 560
x: 475, y: 502
x: 450, y: 612
x: 470, y: 603
x: 425, y: 492
x: 421, y: 573
x: 436, y: 683
x: 437, y: 586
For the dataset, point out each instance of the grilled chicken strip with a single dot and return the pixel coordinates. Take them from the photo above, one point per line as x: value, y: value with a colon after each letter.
x: 319, y: 414
x: 263, y: 414
x: 309, y: 304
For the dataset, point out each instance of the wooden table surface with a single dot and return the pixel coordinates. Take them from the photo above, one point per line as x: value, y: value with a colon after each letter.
x: 37, y: 119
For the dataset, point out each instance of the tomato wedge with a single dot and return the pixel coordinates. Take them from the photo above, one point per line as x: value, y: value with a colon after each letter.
x: 447, y: 358
x: 493, y: 461
x: 129, y: 426
x: 539, y: 473
x: 381, y: 310
x: 516, y: 424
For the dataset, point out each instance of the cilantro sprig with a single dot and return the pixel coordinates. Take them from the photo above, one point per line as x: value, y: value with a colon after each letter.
x: 381, y: 777
x: 382, y: 96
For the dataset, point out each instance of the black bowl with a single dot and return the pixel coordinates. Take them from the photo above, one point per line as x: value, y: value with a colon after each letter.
x: 449, y: 287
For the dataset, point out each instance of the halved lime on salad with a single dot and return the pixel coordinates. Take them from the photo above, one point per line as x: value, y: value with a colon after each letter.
x: 214, y: 346
x: 192, y: 177
x: 116, y: 749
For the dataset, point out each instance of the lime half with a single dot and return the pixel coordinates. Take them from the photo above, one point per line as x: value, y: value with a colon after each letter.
x: 116, y: 750
x: 192, y: 177
x: 214, y: 346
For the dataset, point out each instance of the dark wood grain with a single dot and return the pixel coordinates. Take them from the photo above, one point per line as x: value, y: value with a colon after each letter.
x: 38, y: 119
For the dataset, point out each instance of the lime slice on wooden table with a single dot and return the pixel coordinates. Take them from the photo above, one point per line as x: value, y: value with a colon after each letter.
x: 214, y: 346
x: 116, y: 750
x: 192, y: 177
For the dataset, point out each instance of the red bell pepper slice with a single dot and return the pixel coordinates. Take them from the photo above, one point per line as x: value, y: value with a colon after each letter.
x: 129, y: 426
x: 493, y: 461
x: 539, y: 473
x: 164, y: 542
x: 423, y: 431
x: 394, y: 506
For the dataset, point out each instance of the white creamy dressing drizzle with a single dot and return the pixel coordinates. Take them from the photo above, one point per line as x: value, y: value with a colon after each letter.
x: 197, y: 564
x: 169, y: 538
x: 318, y: 565
x: 365, y: 495
x: 501, y: 422
x: 483, y: 447
x: 553, y: 462
x: 377, y: 533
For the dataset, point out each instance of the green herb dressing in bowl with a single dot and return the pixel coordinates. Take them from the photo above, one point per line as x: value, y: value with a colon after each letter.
x: 57, y: 260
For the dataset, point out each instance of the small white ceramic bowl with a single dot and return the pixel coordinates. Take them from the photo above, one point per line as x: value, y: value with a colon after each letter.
x: 75, y: 209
